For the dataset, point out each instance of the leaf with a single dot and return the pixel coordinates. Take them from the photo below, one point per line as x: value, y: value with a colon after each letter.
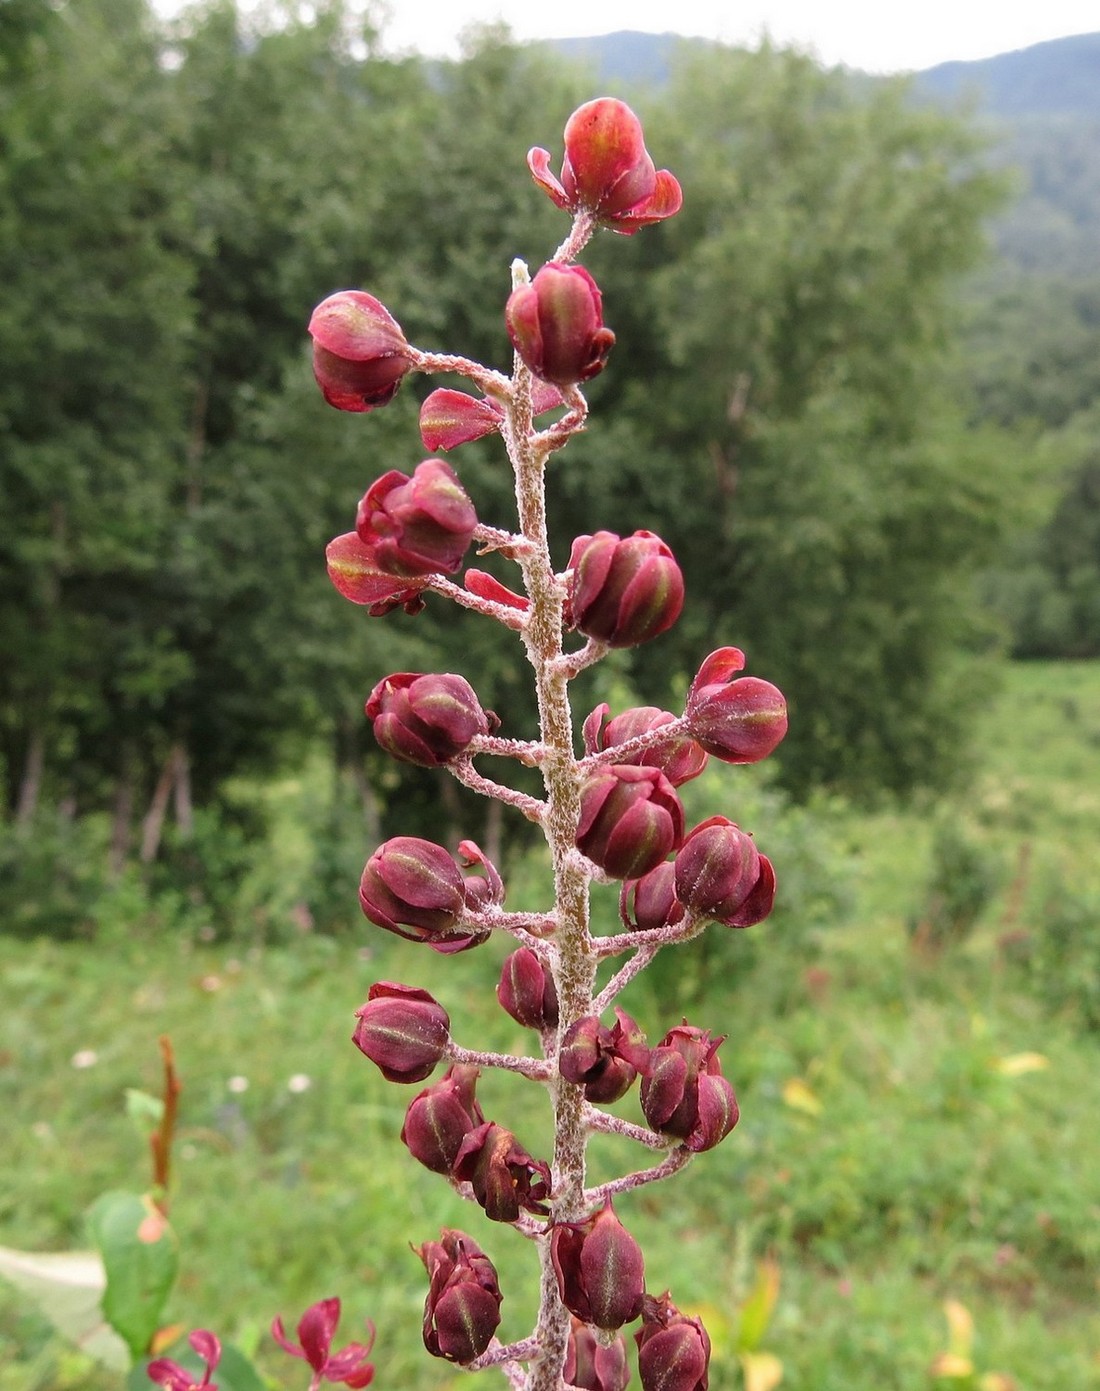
x: 144, y: 1110
x: 234, y: 1373
x: 799, y: 1097
x: 757, y: 1310
x: 1016, y: 1064
x: 68, y: 1286
x: 763, y: 1371
x: 140, y: 1255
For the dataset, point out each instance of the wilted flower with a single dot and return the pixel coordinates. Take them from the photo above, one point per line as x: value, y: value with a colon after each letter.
x: 462, y: 1310
x: 607, y: 170
x: 169, y: 1374
x: 556, y: 325
x: 739, y: 721
x: 600, y: 1270
x: 418, y: 525
x: 402, y: 1030
x: 503, y: 1175
x: 316, y: 1329
x: 720, y: 874
x: 359, y: 351
x: 623, y: 591
x: 631, y: 818
x: 603, y: 1061
x: 426, y: 719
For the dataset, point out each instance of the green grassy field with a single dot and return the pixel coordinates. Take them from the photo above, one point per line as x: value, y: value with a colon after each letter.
x: 920, y: 1099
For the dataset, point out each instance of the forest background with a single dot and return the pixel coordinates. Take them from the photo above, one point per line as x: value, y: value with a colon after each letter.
x: 856, y: 388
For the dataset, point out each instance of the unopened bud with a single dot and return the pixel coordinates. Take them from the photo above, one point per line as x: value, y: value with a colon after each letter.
x: 720, y: 874
x: 441, y: 1117
x: 673, y: 1350
x: 526, y: 990
x: 462, y: 1310
x: 603, y: 1061
x: 593, y: 1365
x: 426, y: 719
x: 631, y: 819
x: 556, y: 325
x: 684, y: 1094
x: 650, y: 902
x: 418, y: 525
x: 679, y: 757
x: 359, y: 351
x: 600, y: 1269
x: 402, y: 1030
x: 413, y: 887
x: 623, y: 591
x: 738, y: 720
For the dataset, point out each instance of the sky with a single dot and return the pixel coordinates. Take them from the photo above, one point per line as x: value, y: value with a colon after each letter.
x: 869, y: 34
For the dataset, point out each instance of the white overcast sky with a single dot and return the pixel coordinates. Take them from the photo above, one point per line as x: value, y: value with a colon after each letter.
x: 871, y: 34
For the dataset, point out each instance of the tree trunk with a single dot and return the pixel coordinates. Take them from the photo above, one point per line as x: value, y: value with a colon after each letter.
x: 30, y: 786
x: 184, y: 808
x: 152, y: 827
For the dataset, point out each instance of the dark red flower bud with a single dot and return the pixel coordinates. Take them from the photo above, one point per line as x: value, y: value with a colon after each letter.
x: 316, y: 1330
x: 418, y: 525
x: 441, y: 1117
x: 526, y: 990
x: 679, y: 757
x: 450, y: 418
x: 720, y: 874
x: 673, y: 1350
x: 631, y: 818
x: 604, y: 1061
x: 414, y: 888
x: 684, y: 1094
x: 607, y: 170
x: 556, y: 325
x: 426, y: 719
x: 592, y: 1365
x: 739, y: 721
x: 402, y: 1030
x: 623, y: 591
x: 359, y: 351
x: 502, y: 1174
x: 600, y: 1270
x: 650, y: 902
x: 462, y: 1311
x: 352, y: 569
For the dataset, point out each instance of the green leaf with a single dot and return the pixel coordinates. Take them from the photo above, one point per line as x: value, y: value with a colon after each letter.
x: 234, y: 1373
x: 757, y: 1309
x: 68, y: 1286
x: 140, y: 1255
x: 144, y: 1110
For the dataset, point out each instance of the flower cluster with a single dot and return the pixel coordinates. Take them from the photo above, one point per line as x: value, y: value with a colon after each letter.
x: 613, y: 814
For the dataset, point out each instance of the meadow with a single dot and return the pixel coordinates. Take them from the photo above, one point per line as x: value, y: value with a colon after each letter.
x: 914, y: 1044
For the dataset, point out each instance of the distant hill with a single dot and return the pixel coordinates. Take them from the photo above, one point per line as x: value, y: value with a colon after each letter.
x: 1059, y: 78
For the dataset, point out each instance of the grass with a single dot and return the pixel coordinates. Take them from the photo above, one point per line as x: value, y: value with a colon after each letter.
x: 917, y: 1125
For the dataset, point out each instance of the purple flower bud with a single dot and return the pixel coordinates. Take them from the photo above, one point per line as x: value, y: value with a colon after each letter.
x: 419, y: 525
x: 426, y: 719
x: 359, y: 351
x: 527, y: 992
x: 450, y: 418
x: 556, y: 325
x: 680, y: 758
x: 352, y: 569
x: 462, y: 1311
x: 739, y: 721
x: 502, y: 1174
x: 402, y: 1030
x: 600, y: 1270
x: 441, y: 1117
x: 604, y: 1061
x: 631, y: 818
x: 414, y: 888
x: 720, y: 874
x: 623, y: 591
x: 650, y: 902
x: 684, y: 1094
x: 673, y: 1350
x: 592, y: 1365
x: 607, y: 170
